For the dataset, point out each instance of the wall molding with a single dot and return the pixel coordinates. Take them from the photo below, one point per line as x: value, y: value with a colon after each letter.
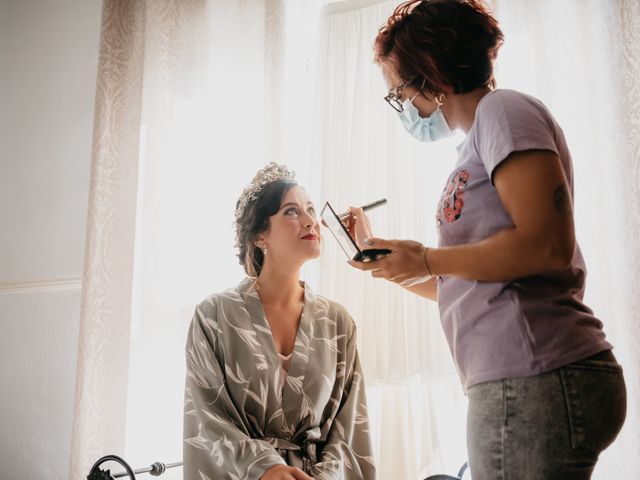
x: 49, y: 284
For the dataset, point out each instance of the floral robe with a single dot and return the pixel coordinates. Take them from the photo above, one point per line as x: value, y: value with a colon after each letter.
x: 238, y: 423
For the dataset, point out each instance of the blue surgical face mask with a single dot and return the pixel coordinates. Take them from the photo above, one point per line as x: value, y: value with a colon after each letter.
x: 427, y: 129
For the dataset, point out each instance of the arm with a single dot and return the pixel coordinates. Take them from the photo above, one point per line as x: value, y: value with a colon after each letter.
x: 428, y: 289
x: 347, y: 454
x: 360, y: 229
x: 533, y: 190
x: 216, y: 442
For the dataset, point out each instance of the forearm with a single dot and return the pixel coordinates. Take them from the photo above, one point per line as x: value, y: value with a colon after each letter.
x: 428, y: 289
x: 504, y: 256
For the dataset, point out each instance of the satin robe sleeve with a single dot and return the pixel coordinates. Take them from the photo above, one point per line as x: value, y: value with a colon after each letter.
x: 216, y: 443
x: 347, y: 454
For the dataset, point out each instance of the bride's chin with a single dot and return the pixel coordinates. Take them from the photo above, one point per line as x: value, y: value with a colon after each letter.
x: 313, y: 255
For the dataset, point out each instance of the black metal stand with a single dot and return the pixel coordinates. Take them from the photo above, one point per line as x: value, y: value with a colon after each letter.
x: 450, y: 477
x: 155, y: 470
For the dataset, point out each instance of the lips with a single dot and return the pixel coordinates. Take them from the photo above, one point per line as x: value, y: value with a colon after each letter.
x: 310, y: 237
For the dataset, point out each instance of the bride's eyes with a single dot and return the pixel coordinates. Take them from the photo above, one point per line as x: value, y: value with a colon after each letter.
x: 294, y: 211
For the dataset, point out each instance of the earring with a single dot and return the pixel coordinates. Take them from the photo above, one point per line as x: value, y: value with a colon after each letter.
x: 264, y: 251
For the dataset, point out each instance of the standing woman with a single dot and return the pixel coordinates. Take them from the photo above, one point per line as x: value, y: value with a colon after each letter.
x: 546, y: 395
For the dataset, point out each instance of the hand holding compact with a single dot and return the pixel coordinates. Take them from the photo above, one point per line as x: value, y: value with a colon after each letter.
x: 359, y: 226
x: 406, y: 265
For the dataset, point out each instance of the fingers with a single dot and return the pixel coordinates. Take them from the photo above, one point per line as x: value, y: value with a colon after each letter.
x: 366, y: 266
x: 378, y: 274
x: 380, y: 243
x: 351, y: 219
x: 351, y: 215
x: 300, y: 475
x: 357, y: 215
x: 356, y: 211
x: 374, y: 267
x: 350, y: 223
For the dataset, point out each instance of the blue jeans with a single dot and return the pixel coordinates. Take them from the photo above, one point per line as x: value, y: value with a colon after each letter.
x: 551, y: 426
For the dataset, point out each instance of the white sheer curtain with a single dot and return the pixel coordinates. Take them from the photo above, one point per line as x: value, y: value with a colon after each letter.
x: 193, y: 96
x: 582, y: 58
x: 417, y: 407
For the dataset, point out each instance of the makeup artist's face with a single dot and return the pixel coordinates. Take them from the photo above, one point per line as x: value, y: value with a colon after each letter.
x: 424, y: 102
x: 294, y: 232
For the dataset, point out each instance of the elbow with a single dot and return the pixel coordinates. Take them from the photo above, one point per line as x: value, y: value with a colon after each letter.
x: 559, y: 253
x: 548, y: 251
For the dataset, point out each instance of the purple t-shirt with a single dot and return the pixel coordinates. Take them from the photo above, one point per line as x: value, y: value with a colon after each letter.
x: 526, y: 326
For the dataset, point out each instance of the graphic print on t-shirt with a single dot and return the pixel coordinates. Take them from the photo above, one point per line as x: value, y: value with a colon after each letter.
x: 452, y: 200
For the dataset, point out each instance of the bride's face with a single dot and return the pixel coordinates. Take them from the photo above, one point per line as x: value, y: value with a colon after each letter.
x: 294, y: 232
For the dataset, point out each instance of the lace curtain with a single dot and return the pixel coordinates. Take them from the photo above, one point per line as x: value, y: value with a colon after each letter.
x: 188, y: 95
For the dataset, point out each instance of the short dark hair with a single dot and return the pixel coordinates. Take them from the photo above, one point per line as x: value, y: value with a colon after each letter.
x: 441, y: 44
x: 255, y: 220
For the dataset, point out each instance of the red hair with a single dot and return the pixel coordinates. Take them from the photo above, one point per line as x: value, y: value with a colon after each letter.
x: 445, y: 44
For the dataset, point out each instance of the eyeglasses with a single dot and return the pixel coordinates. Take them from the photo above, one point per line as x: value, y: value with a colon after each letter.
x: 393, y: 97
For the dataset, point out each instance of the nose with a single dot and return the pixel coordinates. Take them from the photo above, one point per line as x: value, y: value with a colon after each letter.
x: 309, y: 220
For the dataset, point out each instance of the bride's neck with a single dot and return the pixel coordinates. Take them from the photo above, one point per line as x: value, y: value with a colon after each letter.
x: 279, y: 287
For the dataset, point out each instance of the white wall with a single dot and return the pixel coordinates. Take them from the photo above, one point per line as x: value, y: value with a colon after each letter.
x: 48, y: 64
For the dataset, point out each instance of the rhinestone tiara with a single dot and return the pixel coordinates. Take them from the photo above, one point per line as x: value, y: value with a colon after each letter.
x: 266, y: 175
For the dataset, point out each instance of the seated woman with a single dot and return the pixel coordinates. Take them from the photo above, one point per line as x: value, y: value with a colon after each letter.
x: 274, y: 388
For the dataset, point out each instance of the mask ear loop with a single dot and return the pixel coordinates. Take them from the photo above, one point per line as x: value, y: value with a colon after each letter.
x: 424, y: 80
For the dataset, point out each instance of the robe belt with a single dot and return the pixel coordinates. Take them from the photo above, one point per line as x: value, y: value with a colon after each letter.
x: 307, y: 450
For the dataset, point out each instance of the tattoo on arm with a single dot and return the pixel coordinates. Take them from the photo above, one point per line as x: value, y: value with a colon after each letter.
x: 561, y: 201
